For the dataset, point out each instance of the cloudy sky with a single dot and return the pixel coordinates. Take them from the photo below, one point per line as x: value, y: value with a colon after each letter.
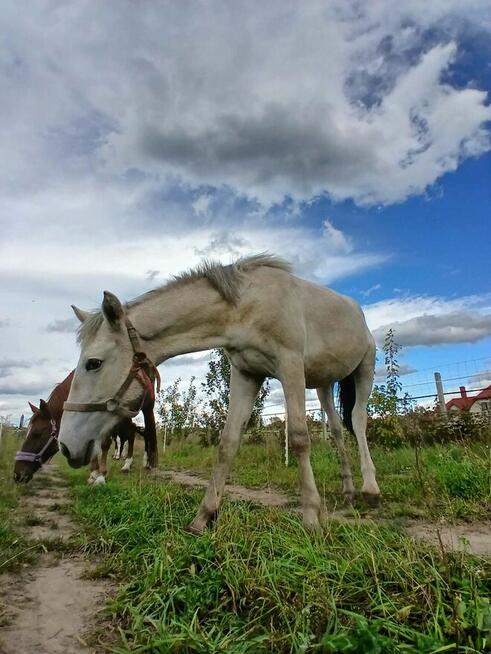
x: 138, y: 137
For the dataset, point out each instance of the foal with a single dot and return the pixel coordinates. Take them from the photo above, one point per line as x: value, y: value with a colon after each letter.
x: 41, y: 442
x: 271, y: 324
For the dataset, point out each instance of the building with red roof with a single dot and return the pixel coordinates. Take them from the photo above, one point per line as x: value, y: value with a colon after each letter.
x: 474, y: 404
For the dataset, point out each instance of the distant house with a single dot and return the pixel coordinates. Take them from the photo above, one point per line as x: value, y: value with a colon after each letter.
x: 480, y: 403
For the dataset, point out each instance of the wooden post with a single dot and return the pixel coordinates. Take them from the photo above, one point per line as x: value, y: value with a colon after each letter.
x: 286, y: 438
x: 441, y: 396
x: 165, y: 437
x: 323, y: 420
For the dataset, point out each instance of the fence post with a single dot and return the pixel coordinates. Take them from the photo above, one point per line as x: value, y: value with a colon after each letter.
x: 286, y: 438
x: 165, y: 437
x: 441, y: 396
x: 323, y: 420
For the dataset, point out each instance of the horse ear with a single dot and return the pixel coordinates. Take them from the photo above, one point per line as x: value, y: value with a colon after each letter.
x: 44, y: 409
x: 34, y: 409
x: 112, y: 308
x: 81, y: 315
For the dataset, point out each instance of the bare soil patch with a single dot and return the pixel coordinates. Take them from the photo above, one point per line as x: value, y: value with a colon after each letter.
x: 265, y: 496
x: 474, y: 538
x: 50, y: 607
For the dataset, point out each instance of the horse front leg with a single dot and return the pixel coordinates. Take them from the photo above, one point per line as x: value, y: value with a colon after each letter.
x: 94, y: 470
x: 99, y: 471
x: 243, y: 392
x: 293, y: 381
x: 150, y: 436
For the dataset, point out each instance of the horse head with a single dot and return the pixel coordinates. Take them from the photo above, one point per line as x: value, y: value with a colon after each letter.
x: 39, y: 445
x: 109, y: 381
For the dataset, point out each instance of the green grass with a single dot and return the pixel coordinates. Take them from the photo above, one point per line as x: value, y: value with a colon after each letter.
x: 14, y: 549
x: 449, y: 481
x: 257, y: 582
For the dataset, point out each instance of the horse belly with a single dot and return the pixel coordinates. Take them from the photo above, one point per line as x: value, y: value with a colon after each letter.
x: 253, y: 362
x: 333, y: 356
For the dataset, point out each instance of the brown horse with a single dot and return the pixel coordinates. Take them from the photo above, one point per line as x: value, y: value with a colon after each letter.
x: 41, y: 442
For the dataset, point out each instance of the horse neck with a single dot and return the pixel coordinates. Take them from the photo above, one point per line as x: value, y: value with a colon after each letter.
x: 182, y: 318
x: 57, y: 398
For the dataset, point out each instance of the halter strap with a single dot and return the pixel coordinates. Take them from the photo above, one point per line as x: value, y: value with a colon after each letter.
x: 142, y: 370
x: 37, y: 457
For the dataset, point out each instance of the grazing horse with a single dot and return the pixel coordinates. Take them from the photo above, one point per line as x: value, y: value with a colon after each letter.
x: 41, y: 442
x: 271, y: 324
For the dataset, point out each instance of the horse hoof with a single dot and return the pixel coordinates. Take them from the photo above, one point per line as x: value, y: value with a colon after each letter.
x: 372, y: 500
x: 100, y: 480
x: 195, y: 530
x: 92, y: 477
x: 349, y: 498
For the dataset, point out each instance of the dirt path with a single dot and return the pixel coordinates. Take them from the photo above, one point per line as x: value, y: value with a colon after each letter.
x: 50, y: 606
x: 474, y: 538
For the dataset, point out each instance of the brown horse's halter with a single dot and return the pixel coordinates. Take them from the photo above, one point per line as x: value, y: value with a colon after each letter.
x: 143, y: 370
x: 38, y: 457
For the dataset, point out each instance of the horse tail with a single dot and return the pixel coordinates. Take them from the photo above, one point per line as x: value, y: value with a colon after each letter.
x: 347, y: 398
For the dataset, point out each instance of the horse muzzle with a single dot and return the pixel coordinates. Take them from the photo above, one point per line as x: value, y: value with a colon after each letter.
x: 80, y: 460
x: 22, y: 475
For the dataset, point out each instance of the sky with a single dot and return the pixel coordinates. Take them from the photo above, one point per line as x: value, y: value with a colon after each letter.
x: 352, y: 138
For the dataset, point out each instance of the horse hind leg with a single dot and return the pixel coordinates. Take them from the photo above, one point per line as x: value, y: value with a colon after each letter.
x: 326, y: 398
x: 363, y: 378
x: 130, y: 438
x: 117, y: 448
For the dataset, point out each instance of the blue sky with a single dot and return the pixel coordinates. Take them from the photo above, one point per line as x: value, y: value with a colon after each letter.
x: 352, y: 138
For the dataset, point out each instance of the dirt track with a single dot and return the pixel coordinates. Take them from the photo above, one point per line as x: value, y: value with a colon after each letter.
x: 50, y: 606
x: 474, y: 538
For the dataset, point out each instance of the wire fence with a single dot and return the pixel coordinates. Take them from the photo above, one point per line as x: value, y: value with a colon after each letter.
x: 462, y: 378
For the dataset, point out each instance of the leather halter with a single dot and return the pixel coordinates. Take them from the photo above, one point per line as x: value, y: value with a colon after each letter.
x: 142, y: 370
x: 37, y: 457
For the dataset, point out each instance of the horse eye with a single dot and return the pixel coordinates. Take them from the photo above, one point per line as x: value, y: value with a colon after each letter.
x: 93, y: 364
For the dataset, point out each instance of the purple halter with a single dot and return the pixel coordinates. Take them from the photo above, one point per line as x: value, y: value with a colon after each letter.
x: 34, y: 457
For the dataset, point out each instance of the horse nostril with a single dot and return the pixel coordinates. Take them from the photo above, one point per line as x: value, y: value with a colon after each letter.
x: 65, y: 451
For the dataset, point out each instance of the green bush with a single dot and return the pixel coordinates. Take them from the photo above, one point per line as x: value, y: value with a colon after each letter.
x: 427, y: 427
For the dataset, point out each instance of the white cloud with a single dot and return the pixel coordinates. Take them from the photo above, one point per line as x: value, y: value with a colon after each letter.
x: 136, y: 139
x: 431, y: 320
x: 266, y: 100
x: 372, y: 289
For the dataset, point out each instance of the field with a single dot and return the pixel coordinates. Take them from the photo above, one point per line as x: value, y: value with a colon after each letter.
x: 257, y: 582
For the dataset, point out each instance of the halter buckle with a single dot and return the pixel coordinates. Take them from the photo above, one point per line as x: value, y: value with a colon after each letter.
x: 112, y: 405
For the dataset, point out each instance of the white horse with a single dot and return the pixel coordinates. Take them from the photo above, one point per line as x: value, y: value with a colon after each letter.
x: 271, y: 324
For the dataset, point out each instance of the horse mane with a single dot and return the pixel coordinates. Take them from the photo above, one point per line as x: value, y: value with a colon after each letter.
x: 226, y: 279
x: 58, y: 396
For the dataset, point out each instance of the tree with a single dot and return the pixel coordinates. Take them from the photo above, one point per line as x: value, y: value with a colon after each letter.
x: 178, y: 409
x: 384, y: 400
x: 217, y: 390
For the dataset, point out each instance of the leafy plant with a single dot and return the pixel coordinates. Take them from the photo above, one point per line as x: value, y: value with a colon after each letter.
x: 216, y: 388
